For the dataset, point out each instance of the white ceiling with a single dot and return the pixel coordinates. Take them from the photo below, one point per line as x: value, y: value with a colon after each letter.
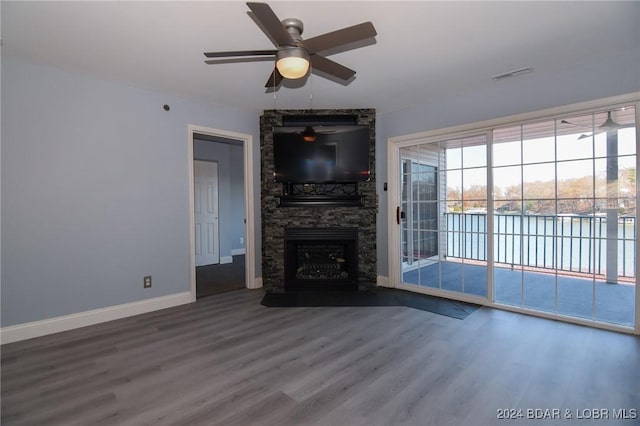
x: 423, y: 49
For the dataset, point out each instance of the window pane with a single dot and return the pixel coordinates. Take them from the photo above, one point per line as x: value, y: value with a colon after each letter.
x: 453, y: 158
x: 475, y: 156
x: 475, y: 184
x: 627, y: 141
x: 507, y: 146
x: 576, y: 206
x: 454, y: 206
x: 575, y: 179
x: 454, y: 185
x: 507, y: 183
x: 574, y: 138
x: 539, y: 206
x: 600, y: 144
x: 475, y: 206
x: 627, y: 186
x: 601, y: 178
x: 539, y: 181
x: 538, y: 143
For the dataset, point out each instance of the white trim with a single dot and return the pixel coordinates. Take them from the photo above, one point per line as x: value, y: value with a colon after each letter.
x: 238, y: 252
x: 490, y: 213
x: 393, y: 203
x: 29, y: 330
x: 255, y: 284
x: 393, y: 149
x: 383, y: 281
x: 247, y: 148
x: 226, y: 259
x: 462, y: 297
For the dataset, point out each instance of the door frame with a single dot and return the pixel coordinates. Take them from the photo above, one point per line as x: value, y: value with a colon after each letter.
x: 247, y: 149
x: 393, y: 172
x: 394, y: 147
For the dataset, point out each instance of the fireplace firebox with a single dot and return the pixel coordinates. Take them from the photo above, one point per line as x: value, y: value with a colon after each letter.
x: 321, y: 258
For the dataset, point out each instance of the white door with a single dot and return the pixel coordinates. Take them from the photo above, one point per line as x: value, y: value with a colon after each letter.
x: 206, y: 212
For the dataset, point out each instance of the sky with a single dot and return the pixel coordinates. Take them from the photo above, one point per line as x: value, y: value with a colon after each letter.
x: 537, y: 155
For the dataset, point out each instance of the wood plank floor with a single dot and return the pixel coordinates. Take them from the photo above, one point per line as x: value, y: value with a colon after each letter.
x: 227, y: 360
x: 221, y: 277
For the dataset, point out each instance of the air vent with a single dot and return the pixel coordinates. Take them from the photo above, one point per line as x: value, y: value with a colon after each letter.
x: 513, y: 73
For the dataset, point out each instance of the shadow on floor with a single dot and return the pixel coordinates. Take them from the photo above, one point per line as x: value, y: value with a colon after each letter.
x: 220, y: 278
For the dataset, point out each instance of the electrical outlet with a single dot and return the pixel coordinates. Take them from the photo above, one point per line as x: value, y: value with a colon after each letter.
x: 241, y: 240
x: 147, y: 281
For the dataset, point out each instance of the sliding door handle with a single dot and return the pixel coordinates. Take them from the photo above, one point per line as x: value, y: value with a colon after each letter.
x: 399, y: 215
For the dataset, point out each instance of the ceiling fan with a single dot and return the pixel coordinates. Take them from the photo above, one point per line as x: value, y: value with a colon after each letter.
x: 293, y: 55
x: 608, y: 125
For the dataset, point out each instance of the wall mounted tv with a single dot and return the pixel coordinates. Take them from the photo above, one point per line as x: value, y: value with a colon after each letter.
x: 339, y: 154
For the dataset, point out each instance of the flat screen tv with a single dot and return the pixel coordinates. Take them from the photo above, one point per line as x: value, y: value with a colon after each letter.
x: 339, y: 154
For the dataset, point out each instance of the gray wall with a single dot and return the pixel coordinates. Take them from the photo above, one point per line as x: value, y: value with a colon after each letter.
x: 230, y: 190
x: 95, y: 190
x: 604, y: 76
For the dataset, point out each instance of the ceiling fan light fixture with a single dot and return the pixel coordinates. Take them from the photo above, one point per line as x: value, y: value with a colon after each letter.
x: 292, y: 63
x: 309, y: 135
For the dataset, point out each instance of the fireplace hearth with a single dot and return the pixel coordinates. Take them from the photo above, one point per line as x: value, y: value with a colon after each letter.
x: 321, y: 258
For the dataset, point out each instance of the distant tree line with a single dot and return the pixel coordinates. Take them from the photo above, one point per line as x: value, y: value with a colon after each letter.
x: 583, y: 195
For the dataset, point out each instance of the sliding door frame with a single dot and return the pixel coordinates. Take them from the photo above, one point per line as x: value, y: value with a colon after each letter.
x: 394, y: 144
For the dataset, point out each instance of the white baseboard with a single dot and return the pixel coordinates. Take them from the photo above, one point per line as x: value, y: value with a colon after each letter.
x: 237, y: 252
x: 226, y: 259
x: 257, y: 283
x: 29, y: 330
x: 383, y: 281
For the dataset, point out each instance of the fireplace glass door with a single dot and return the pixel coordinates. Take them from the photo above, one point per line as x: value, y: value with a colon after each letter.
x: 321, y: 258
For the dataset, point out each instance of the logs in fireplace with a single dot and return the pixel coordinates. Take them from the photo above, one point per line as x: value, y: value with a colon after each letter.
x: 321, y: 258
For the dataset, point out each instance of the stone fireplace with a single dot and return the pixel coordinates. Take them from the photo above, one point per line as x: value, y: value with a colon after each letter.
x: 332, y: 245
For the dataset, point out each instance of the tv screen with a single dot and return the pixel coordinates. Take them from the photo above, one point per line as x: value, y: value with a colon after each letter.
x: 339, y: 154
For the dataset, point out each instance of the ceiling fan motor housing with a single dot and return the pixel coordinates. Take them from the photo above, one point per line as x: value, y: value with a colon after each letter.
x: 294, y: 27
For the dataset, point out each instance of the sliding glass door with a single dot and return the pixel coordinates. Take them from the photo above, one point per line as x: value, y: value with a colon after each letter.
x: 443, y: 215
x: 565, y: 207
x: 538, y: 216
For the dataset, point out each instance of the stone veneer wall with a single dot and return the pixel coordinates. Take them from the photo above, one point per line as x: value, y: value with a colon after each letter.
x: 275, y: 219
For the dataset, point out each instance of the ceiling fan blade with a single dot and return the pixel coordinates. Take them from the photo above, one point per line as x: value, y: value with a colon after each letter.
x: 574, y: 124
x: 271, y: 24
x: 238, y: 60
x: 274, y: 79
x: 320, y: 63
x: 239, y: 53
x: 340, y: 37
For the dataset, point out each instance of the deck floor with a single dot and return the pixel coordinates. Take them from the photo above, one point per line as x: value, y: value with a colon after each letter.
x: 576, y: 296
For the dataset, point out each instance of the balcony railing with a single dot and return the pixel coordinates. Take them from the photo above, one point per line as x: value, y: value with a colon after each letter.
x: 561, y: 242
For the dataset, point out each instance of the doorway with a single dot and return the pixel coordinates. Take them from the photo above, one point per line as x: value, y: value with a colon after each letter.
x: 221, y: 211
x: 206, y: 212
x: 443, y: 200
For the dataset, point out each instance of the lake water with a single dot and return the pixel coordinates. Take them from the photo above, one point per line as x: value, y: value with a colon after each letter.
x: 570, y: 243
